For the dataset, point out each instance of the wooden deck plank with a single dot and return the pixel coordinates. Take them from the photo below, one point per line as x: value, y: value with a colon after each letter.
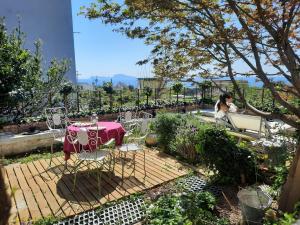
x: 14, y: 217
x: 139, y: 179
x: 50, y: 190
x: 45, y: 189
x: 114, y: 182
x: 157, y: 177
x: 91, y: 182
x: 34, y: 210
x: 152, y: 175
x: 64, y: 208
x: 77, y: 197
x: 37, y: 191
x: 156, y: 167
x: 168, y: 161
x: 22, y: 207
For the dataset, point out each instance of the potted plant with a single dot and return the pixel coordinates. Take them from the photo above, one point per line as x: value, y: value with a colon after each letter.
x: 151, y: 139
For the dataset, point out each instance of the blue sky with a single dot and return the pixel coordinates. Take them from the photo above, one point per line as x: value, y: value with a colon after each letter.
x: 100, y: 51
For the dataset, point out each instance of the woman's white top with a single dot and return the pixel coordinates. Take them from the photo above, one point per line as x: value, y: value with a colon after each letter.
x: 221, y: 114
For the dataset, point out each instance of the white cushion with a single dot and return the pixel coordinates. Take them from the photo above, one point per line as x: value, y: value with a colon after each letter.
x: 93, y: 156
x: 130, y: 147
x: 82, y: 136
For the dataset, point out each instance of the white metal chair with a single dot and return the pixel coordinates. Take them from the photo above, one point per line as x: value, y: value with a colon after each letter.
x: 84, y: 142
x: 134, y: 143
x: 144, y: 115
x: 57, y: 122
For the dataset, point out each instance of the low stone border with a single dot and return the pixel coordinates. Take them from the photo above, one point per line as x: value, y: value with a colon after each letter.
x: 15, y: 144
x: 20, y: 128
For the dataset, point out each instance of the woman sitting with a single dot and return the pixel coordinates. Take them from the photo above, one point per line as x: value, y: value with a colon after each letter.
x: 224, y: 105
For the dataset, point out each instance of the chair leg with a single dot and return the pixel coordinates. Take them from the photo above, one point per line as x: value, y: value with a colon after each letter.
x: 110, y: 162
x: 89, y: 168
x: 134, y: 163
x: 145, y: 162
x: 51, y: 155
x: 114, y: 162
x: 75, y: 170
x: 75, y: 177
x: 123, y: 165
x: 66, y: 165
x: 99, y: 177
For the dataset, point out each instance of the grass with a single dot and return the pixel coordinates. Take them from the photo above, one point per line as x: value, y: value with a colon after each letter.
x: 46, y: 221
x: 41, y: 153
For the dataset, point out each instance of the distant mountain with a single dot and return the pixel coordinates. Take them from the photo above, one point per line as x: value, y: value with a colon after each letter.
x: 116, y: 79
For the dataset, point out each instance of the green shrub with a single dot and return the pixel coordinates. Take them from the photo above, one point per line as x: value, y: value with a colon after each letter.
x: 165, y: 126
x: 282, y: 218
x: 221, y: 154
x: 187, y: 209
x: 46, y: 221
x: 186, y: 138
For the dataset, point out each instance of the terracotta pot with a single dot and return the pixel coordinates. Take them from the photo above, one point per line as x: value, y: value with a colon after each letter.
x: 151, y: 140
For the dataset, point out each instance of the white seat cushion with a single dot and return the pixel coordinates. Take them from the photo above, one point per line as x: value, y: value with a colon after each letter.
x: 93, y: 156
x: 130, y: 147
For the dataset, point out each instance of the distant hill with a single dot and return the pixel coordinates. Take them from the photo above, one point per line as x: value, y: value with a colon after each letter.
x: 116, y: 79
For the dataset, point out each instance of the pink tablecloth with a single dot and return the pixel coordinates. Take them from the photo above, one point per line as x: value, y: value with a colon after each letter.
x: 112, y: 130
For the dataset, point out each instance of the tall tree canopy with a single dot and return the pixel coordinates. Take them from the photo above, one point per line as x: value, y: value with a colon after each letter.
x: 218, y: 38
x: 214, y: 38
x: 24, y: 83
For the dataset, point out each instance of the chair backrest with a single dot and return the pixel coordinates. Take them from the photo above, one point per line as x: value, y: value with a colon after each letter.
x: 248, y: 122
x: 128, y: 116
x: 56, y: 117
x: 144, y: 126
x: 144, y: 115
x: 86, y: 139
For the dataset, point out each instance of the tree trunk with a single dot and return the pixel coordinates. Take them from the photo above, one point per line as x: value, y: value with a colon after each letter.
x: 65, y: 101
x: 111, y: 102
x: 5, y: 204
x: 177, y: 98
x: 147, y: 100
x: 290, y: 194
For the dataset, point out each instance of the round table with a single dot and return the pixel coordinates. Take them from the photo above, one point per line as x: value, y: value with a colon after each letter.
x: 110, y: 130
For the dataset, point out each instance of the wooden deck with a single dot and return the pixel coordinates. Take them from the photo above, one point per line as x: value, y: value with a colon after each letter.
x: 39, y: 192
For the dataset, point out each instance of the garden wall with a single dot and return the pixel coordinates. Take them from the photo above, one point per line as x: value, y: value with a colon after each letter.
x: 20, y: 128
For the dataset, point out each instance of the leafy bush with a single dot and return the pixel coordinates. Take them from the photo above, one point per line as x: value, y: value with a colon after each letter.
x: 23, y: 88
x: 186, y: 138
x: 221, y: 154
x: 165, y: 126
x: 186, y: 209
x: 282, y: 218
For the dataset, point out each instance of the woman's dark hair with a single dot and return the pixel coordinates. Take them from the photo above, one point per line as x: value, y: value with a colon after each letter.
x: 222, y: 99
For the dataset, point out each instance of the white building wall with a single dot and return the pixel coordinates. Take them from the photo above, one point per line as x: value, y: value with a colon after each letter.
x: 48, y: 20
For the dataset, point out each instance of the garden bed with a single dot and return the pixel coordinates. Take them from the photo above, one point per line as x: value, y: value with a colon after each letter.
x: 41, y: 125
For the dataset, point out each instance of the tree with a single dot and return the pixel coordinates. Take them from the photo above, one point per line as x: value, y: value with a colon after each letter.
x: 212, y: 39
x: 177, y: 87
x: 24, y: 88
x: 108, y: 88
x: 205, y: 85
x: 130, y: 87
x: 67, y: 88
x: 147, y: 93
